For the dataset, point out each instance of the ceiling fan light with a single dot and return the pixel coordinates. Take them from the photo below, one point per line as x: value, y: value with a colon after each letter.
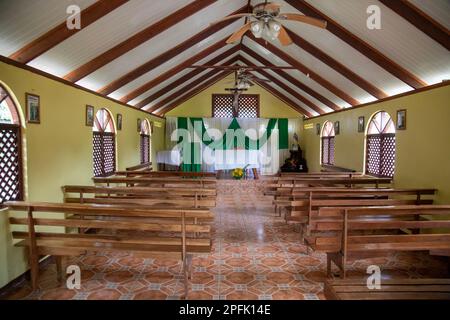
x: 257, y: 28
x: 273, y: 29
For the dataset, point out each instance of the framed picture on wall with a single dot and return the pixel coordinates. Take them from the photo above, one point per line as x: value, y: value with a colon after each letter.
x: 119, y: 121
x: 361, y: 124
x: 89, y: 116
x: 337, y: 128
x: 318, y: 129
x: 33, y: 108
x: 139, y: 121
x: 401, y: 119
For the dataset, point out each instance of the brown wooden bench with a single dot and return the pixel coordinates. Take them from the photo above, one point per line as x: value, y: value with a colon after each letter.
x: 160, y: 174
x: 320, y: 174
x: 271, y: 187
x: 361, y: 232
x: 116, y: 228
x: 143, y: 167
x: 392, y: 289
x: 175, y: 182
x: 146, y: 196
x: 298, y: 199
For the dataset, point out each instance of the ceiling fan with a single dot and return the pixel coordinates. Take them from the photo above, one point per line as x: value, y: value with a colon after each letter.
x: 244, y: 79
x: 242, y: 82
x: 265, y: 21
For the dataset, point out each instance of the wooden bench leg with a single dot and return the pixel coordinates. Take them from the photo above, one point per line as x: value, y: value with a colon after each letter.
x: 328, y: 265
x: 59, y: 267
x: 34, y: 271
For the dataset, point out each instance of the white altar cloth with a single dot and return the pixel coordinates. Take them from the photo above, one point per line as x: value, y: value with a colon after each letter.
x: 170, y: 157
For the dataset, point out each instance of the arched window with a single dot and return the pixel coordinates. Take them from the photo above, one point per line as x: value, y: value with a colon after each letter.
x: 104, y: 144
x: 328, y: 143
x: 11, y: 173
x: 380, y: 147
x: 146, y: 145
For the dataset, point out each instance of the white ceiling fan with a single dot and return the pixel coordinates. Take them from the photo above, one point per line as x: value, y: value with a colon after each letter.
x: 265, y: 22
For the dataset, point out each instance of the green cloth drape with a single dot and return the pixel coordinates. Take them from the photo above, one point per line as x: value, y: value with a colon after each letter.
x: 228, y: 141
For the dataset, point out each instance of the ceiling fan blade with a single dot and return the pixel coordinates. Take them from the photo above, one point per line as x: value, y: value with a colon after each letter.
x: 238, y: 34
x: 234, y: 16
x: 305, y: 19
x: 284, y: 38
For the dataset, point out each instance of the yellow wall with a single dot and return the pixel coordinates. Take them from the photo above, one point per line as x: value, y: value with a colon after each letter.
x: 59, y: 150
x: 200, y: 105
x: 422, y: 150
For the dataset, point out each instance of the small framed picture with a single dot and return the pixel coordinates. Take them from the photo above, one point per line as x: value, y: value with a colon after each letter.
x: 33, y: 108
x: 318, y: 129
x: 337, y: 128
x: 119, y: 121
x: 361, y: 124
x: 139, y: 125
x: 89, y: 116
x: 401, y: 119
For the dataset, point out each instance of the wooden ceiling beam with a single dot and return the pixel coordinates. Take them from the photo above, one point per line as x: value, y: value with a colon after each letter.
x: 305, y: 70
x: 283, y: 98
x: 177, y: 69
x: 137, y: 39
x: 169, y: 54
x: 186, y: 88
x: 60, y: 33
x: 291, y: 79
x: 337, y: 66
x: 185, y: 78
x: 360, y: 45
x: 285, y: 87
x: 420, y: 20
x: 195, y: 91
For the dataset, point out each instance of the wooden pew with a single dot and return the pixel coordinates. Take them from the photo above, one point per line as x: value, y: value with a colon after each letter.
x: 160, y: 174
x: 117, y: 229
x: 361, y: 232
x: 143, y: 167
x: 271, y: 187
x: 145, y: 196
x: 175, y: 182
x: 302, y: 210
x: 321, y: 174
x: 391, y: 289
x: 285, y: 196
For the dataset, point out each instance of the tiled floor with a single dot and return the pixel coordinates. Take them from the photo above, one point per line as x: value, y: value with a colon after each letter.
x: 255, y: 256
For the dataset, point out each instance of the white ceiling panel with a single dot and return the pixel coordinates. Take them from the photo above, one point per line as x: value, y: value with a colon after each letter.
x: 174, y: 61
x: 439, y: 10
x: 99, y: 37
x: 22, y: 21
x: 184, y: 84
x: 296, y: 74
x: 179, y: 75
x: 276, y: 75
x: 159, y: 45
x: 397, y: 39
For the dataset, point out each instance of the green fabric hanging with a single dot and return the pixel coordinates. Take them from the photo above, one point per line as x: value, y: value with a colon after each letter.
x: 283, y: 134
x: 231, y: 142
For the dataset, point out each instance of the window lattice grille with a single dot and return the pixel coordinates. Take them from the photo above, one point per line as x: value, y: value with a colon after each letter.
x: 223, y: 106
x: 10, y: 163
x: 104, y: 153
x: 328, y: 150
x: 381, y: 154
x: 145, y: 148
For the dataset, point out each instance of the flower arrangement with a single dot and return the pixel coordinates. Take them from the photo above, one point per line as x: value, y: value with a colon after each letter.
x: 238, y: 173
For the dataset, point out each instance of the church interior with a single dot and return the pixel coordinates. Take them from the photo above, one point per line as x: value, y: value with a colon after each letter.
x: 224, y: 150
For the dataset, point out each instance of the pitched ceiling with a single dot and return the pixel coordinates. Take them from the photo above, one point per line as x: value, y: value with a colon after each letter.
x: 139, y: 51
